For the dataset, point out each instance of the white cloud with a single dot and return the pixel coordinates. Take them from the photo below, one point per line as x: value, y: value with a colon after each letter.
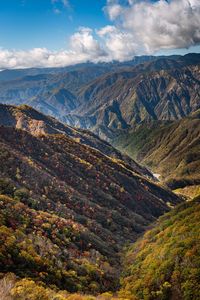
x: 84, y: 42
x: 160, y: 25
x: 83, y: 47
x: 113, y: 10
x: 118, y: 44
x: 138, y: 27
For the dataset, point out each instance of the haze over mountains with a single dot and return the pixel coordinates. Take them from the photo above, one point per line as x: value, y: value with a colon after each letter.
x: 106, y: 97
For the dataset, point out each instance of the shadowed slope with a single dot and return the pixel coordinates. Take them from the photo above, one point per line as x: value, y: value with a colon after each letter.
x: 171, y: 149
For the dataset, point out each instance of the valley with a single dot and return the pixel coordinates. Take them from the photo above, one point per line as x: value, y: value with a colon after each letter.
x: 170, y: 148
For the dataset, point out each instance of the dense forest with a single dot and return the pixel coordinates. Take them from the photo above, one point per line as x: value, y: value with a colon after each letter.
x: 35, y: 248
x: 165, y: 262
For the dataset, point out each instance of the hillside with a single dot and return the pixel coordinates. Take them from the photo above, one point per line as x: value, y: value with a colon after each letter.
x: 83, y: 205
x: 171, y: 149
x: 164, y: 263
x: 13, y: 74
x: 107, y: 97
x: 26, y: 118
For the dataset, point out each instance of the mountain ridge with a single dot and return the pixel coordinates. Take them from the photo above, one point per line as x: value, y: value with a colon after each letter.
x: 163, y: 88
x: 27, y: 118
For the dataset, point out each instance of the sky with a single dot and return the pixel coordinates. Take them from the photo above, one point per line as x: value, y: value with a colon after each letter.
x: 55, y: 33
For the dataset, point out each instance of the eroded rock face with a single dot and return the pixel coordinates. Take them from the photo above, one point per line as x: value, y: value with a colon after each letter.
x: 157, y: 95
x: 35, y: 127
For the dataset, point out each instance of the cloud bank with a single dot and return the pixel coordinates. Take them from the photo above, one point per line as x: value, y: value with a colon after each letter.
x: 83, y: 47
x: 138, y: 27
x: 147, y: 27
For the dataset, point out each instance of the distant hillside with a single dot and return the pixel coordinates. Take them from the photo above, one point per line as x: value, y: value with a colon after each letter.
x: 54, y: 91
x: 68, y: 209
x: 165, y: 89
x: 108, y: 97
x: 171, y: 149
x: 12, y: 74
x: 164, y: 263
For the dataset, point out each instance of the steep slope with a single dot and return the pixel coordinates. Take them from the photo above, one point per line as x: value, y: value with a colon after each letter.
x: 54, y: 91
x: 165, y: 262
x: 27, y: 118
x: 14, y: 288
x: 160, y: 90
x: 108, y: 97
x: 171, y: 149
x: 49, y: 248
x: 83, y: 205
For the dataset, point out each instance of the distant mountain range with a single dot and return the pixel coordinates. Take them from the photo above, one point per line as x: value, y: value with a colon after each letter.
x: 81, y: 203
x: 107, y: 97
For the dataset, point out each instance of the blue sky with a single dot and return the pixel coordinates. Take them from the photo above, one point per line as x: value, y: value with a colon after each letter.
x: 26, y: 24
x: 47, y: 33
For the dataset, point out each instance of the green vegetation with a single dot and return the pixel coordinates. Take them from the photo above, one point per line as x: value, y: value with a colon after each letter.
x: 171, y: 149
x: 13, y: 288
x: 47, y: 248
x: 189, y: 192
x: 165, y: 262
x: 42, y: 252
x: 66, y: 212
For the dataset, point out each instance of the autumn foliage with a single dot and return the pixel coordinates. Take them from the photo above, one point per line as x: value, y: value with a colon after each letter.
x: 165, y: 262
